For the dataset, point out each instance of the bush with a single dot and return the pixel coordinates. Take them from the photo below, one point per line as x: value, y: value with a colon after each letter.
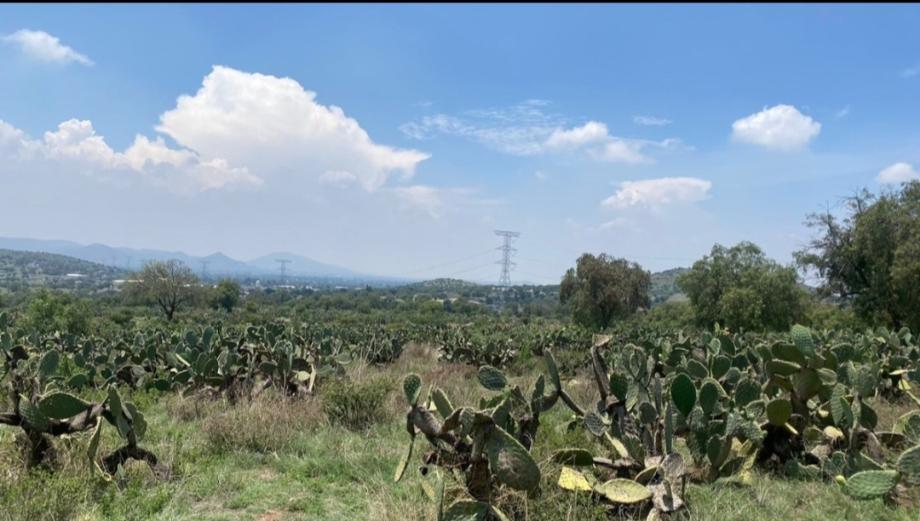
x: 356, y: 405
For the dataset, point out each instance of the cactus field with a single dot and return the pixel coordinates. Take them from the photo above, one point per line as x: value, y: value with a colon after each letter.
x: 488, y: 421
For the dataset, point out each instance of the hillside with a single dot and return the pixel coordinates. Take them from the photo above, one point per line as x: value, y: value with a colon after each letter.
x: 29, y: 268
x: 664, y: 285
x: 216, y: 264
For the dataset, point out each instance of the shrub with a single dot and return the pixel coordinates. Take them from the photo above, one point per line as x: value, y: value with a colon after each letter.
x: 356, y: 405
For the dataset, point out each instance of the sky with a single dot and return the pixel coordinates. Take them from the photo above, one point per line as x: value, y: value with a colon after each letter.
x: 394, y: 139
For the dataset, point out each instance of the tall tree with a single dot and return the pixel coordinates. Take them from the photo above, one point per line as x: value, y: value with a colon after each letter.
x: 166, y: 284
x: 602, y: 289
x: 741, y: 288
x: 870, y: 257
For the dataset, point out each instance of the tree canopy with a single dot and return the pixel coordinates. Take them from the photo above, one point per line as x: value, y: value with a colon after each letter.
x: 166, y: 284
x: 602, y: 289
x: 741, y: 288
x: 871, y: 257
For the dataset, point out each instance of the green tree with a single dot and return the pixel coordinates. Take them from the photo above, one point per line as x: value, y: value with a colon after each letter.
x: 165, y: 284
x: 50, y: 311
x: 226, y: 295
x: 871, y: 257
x: 602, y: 289
x: 741, y: 288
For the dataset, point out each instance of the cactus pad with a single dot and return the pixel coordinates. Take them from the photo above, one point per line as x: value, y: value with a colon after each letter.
x: 683, y: 393
x: 412, y: 387
x: 442, y: 403
x: 624, y: 491
x: 510, y: 462
x: 801, y: 335
x: 871, y: 484
x: 572, y: 456
x: 909, y: 465
x: 571, y: 479
x: 61, y: 406
x: 465, y: 510
x: 491, y: 378
x: 779, y: 411
x: 33, y: 416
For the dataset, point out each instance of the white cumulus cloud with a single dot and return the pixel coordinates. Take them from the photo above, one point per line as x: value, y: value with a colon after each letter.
x: 273, y: 125
x: 898, y: 173
x: 658, y: 192
x: 75, y: 146
x: 45, y: 47
x: 781, y: 127
x: 589, y: 133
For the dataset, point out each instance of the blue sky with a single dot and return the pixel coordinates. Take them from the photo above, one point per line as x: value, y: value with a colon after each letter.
x: 394, y: 139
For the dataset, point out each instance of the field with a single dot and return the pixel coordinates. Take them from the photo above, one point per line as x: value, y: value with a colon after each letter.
x: 333, y: 455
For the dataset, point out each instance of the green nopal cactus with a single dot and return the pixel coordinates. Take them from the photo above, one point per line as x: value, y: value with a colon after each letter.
x: 683, y: 393
x: 60, y: 406
x: 412, y: 388
x: 491, y: 378
x: 804, y: 342
x: 871, y: 484
x: 909, y: 465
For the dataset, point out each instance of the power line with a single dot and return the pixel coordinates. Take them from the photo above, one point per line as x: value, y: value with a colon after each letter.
x: 507, y: 252
x: 473, y: 256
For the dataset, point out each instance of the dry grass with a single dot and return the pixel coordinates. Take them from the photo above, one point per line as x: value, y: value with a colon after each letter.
x: 268, y: 424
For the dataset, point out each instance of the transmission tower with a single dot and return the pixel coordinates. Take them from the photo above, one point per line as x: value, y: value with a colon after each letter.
x: 204, y: 268
x: 283, y: 267
x: 507, y: 252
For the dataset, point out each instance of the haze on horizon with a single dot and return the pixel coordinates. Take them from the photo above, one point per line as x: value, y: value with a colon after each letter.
x: 393, y: 140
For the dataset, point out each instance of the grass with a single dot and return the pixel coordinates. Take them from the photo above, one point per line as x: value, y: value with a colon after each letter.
x: 280, y: 460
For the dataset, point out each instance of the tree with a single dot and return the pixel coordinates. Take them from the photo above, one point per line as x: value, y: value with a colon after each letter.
x: 602, y: 289
x: 50, y: 311
x: 166, y: 284
x: 871, y: 257
x: 226, y: 295
x: 741, y: 288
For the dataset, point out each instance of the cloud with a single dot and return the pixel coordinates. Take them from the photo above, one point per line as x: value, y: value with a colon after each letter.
x: 239, y: 129
x: 576, y: 137
x: 338, y: 178
x: 781, y: 127
x: 658, y: 192
x: 651, y: 121
x: 75, y: 146
x: 910, y: 72
x: 842, y: 113
x: 425, y: 198
x: 526, y: 129
x: 274, y: 125
x: 898, y: 173
x: 45, y: 47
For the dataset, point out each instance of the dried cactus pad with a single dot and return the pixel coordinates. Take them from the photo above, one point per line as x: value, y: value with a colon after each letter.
x: 624, y: 491
x: 571, y: 479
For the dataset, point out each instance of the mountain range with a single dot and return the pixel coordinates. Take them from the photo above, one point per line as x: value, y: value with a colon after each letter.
x: 214, y: 264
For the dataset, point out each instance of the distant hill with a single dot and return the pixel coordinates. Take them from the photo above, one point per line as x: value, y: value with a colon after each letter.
x: 216, y: 264
x: 28, y: 268
x: 664, y: 285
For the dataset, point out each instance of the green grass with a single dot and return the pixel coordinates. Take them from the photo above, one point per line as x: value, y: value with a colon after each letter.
x: 277, y: 460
